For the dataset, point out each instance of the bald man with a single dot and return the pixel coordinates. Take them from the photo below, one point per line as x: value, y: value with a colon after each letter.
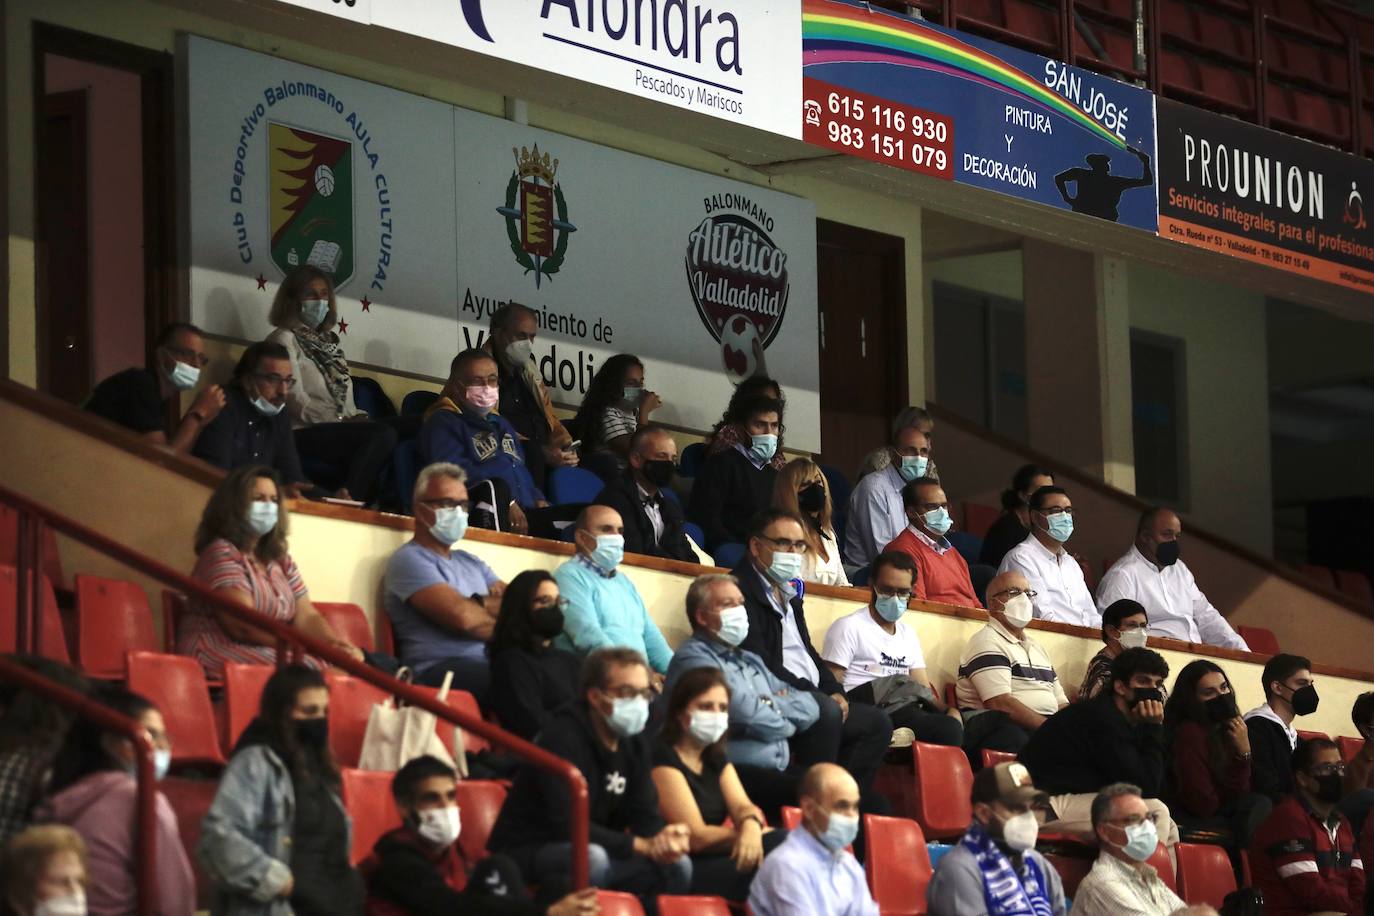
x: 653, y: 518
x: 604, y: 607
x: 1152, y: 574
x: 1003, y: 669
x: 813, y: 871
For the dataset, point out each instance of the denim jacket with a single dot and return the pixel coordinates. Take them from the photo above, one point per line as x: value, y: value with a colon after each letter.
x: 245, y: 842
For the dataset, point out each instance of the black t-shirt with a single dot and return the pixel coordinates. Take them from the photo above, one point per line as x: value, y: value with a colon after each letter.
x: 705, y: 785
x: 132, y: 399
x: 521, y: 408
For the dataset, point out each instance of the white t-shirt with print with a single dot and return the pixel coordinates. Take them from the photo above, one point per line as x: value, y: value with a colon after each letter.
x: 867, y: 651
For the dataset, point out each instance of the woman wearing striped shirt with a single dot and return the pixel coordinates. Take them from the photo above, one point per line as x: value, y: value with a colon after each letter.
x: 241, y: 555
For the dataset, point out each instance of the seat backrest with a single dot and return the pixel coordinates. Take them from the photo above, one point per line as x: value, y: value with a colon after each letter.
x: 1259, y: 639
x: 791, y: 817
x: 839, y: 486
x: 573, y: 486
x: 242, y: 695
x: 112, y: 619
x: 897, y: 864
x: 992, y: 758
x: 689, y: 462
x: 978, y: 518
x: 465, y: 702
x: 616, y: 903
x: 53, y: 643
x: 350, y: 622
x: 1308, y: 736
x: 1164, y: 865
x: 1072, y: 870
x: 480, y: 802
x: 369, y: 396
x: 350, y: 706
x: 415, y: 403
x: 969, y: 545
x: 944, y: 782
x: 367, y: 795
x: 9, y: 545
x: 176, y: 685
x: 1204, y: 873
x: 1349, y: 747
x: 692, y: 906
x: 173, y: 609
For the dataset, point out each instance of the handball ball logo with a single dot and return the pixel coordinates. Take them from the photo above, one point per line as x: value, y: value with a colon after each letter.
x: 739, y: 282
x: 324, y: 180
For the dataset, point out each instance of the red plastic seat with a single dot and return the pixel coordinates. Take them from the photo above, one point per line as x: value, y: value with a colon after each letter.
x: 480, y: 802
x: 190, y: 800
x: 791, y: 817
x: 52, y: 642
x: 1165, y: 866
x: 1072, y: 870
x: 692, y: 906
x: 112, y: 619
x: 1354, y: 585
x: 1309, y: 736
x: 1349, y: 747
x: 242, y: 693
x: 350, y: 622
x: 9, y: 546
x: 615, y: 903
x: 897, y: 865
x: 978, y: 519
x: 176, y: 685
x: 1259, y: 639
x: 1204, y: 873
x: 350, y: 705
x: 367, y: 795
x: 173, y: 609
x: 943, y: 782
x: 465, y: 702
x: 992, y: 758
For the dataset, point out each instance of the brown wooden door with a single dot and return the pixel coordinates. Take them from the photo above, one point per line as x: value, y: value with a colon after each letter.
x: 862, y: 300
x: 64, y: 320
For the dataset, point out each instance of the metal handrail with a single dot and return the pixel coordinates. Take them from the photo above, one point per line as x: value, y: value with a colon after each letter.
x: 145, y: 807
x: 33, y: 516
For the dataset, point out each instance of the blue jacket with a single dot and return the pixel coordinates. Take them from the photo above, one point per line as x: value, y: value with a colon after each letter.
x: 764, y: 711
x: 606, y: 611
x: 486, y: 447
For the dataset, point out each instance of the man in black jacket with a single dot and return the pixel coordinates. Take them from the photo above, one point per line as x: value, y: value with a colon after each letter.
x: 631, y: 848
x: 1117, y: 736
x: 1288, y: 692
x: 653, y: 519
x: 855, y: 737
x: 737, y: 482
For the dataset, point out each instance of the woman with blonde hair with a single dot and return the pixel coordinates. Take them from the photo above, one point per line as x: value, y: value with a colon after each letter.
x: 802, y: 489
x: 332, y: 434
x: 44, y: 872
x: 241, y: 554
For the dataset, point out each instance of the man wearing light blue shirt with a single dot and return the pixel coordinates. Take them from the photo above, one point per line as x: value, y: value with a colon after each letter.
x: 604, y: 607
x: 812, y: 871
x: 876, y: 511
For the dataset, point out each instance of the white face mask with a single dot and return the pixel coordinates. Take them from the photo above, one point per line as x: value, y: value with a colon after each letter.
x: 1021, y: 831
x: 71, y: 905
x: 708, y: 727
x: 519, y: 352
x: 1133, y: 639
x: 440, y: 826
x: 1019, y: 611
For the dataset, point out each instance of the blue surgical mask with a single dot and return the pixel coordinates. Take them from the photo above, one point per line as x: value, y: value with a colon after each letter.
x: 785, y: 566
x: 266, y: 407
x: 162, y: 762
x: 450, y: 524
x: 764, y: 447
x: 628, y: 716
x: 1141, y: 840
x: 314, y: 311
x: 610, y: 550
x: 938, y: 520
x: 890, y: 607
x: 708, y: 727
x: 734, y: 625
x: 1060, y: 526
x: 182, y: 376
x: 913, y: 467
x: 840, y: 832
x: 262, y: 517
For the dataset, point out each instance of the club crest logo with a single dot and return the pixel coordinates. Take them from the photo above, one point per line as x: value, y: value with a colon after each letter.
x: 310, y: 194
x: 739, y: 280
x: 536, y: 214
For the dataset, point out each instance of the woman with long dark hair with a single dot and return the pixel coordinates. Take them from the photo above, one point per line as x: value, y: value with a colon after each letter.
x: 1013, y: 524
x: 277, y: 838
x: 529, y: 677
x: 1209, y: 757
x: 699, y: 787
x: 615, y: 405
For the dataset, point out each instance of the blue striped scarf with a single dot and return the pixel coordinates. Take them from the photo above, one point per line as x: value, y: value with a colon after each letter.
x: 1006, y: 892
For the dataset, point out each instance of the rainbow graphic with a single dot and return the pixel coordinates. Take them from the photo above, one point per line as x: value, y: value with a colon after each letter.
x: 837, y: 33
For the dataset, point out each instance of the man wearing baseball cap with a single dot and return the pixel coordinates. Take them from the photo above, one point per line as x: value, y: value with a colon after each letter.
x: 994, y: 868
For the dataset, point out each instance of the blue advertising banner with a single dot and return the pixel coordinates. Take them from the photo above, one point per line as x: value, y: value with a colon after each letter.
x: 950, y: 104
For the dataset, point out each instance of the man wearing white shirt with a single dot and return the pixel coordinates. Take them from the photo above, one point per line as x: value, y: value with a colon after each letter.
x: 876, y: 511
x: 1152, y: 573
x: 1061, y: 591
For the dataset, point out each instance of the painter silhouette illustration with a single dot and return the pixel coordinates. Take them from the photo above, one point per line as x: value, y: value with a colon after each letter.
x: 1097, y: 191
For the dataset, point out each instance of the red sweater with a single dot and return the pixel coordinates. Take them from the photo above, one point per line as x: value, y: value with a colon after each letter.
x: 1302, y: 867
x: 1197, y: 789
x: 941, y: 577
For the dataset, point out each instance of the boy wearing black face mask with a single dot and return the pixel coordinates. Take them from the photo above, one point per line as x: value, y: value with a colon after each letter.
x: 1304, y: 857
x: 1289, y: 691
x: 653, y: 519
x: 1117, y: 736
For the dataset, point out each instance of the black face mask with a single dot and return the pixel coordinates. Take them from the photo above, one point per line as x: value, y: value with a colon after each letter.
x: 1221, y: 708
x: 1141, y: 694
x: 312, y: 733
x: 1305, y: 700
x: 547, y: 621
x: 1330, y: 787
x: 659, y: 473
x: 811, y: 498
x: 1166, y: 553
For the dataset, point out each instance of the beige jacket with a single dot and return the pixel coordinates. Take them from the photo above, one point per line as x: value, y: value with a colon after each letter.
x: 309, y: 401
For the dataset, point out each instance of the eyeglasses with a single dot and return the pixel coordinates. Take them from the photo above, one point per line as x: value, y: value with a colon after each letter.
x: 463, y: 504
x: 189, y: 357
x: 275, y: 380
x: 903, y: 593
x: 785, y: 545
x: 628, y: 693
x: 1135, y: 820
x: 1056, y: 510
x: 1327, y: 770
x: 477, y: 381
x: 930, y: 507
x: 561, y: 603
x: 1011, y: 593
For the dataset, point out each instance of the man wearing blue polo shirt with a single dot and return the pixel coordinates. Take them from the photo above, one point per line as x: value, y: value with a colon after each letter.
x: 442, y: 602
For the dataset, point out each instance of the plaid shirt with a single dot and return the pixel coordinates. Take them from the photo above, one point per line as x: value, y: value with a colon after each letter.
x: 21, y: 775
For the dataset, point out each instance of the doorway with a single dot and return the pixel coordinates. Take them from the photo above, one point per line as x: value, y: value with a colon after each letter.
x: 861, y: 291
x: 103, y: 202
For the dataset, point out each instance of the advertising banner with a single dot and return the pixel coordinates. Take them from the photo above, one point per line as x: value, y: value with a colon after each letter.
x: 734, y: 59
x: 1267, y: 197
x: 959, y: 107
x: 429, y: 217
